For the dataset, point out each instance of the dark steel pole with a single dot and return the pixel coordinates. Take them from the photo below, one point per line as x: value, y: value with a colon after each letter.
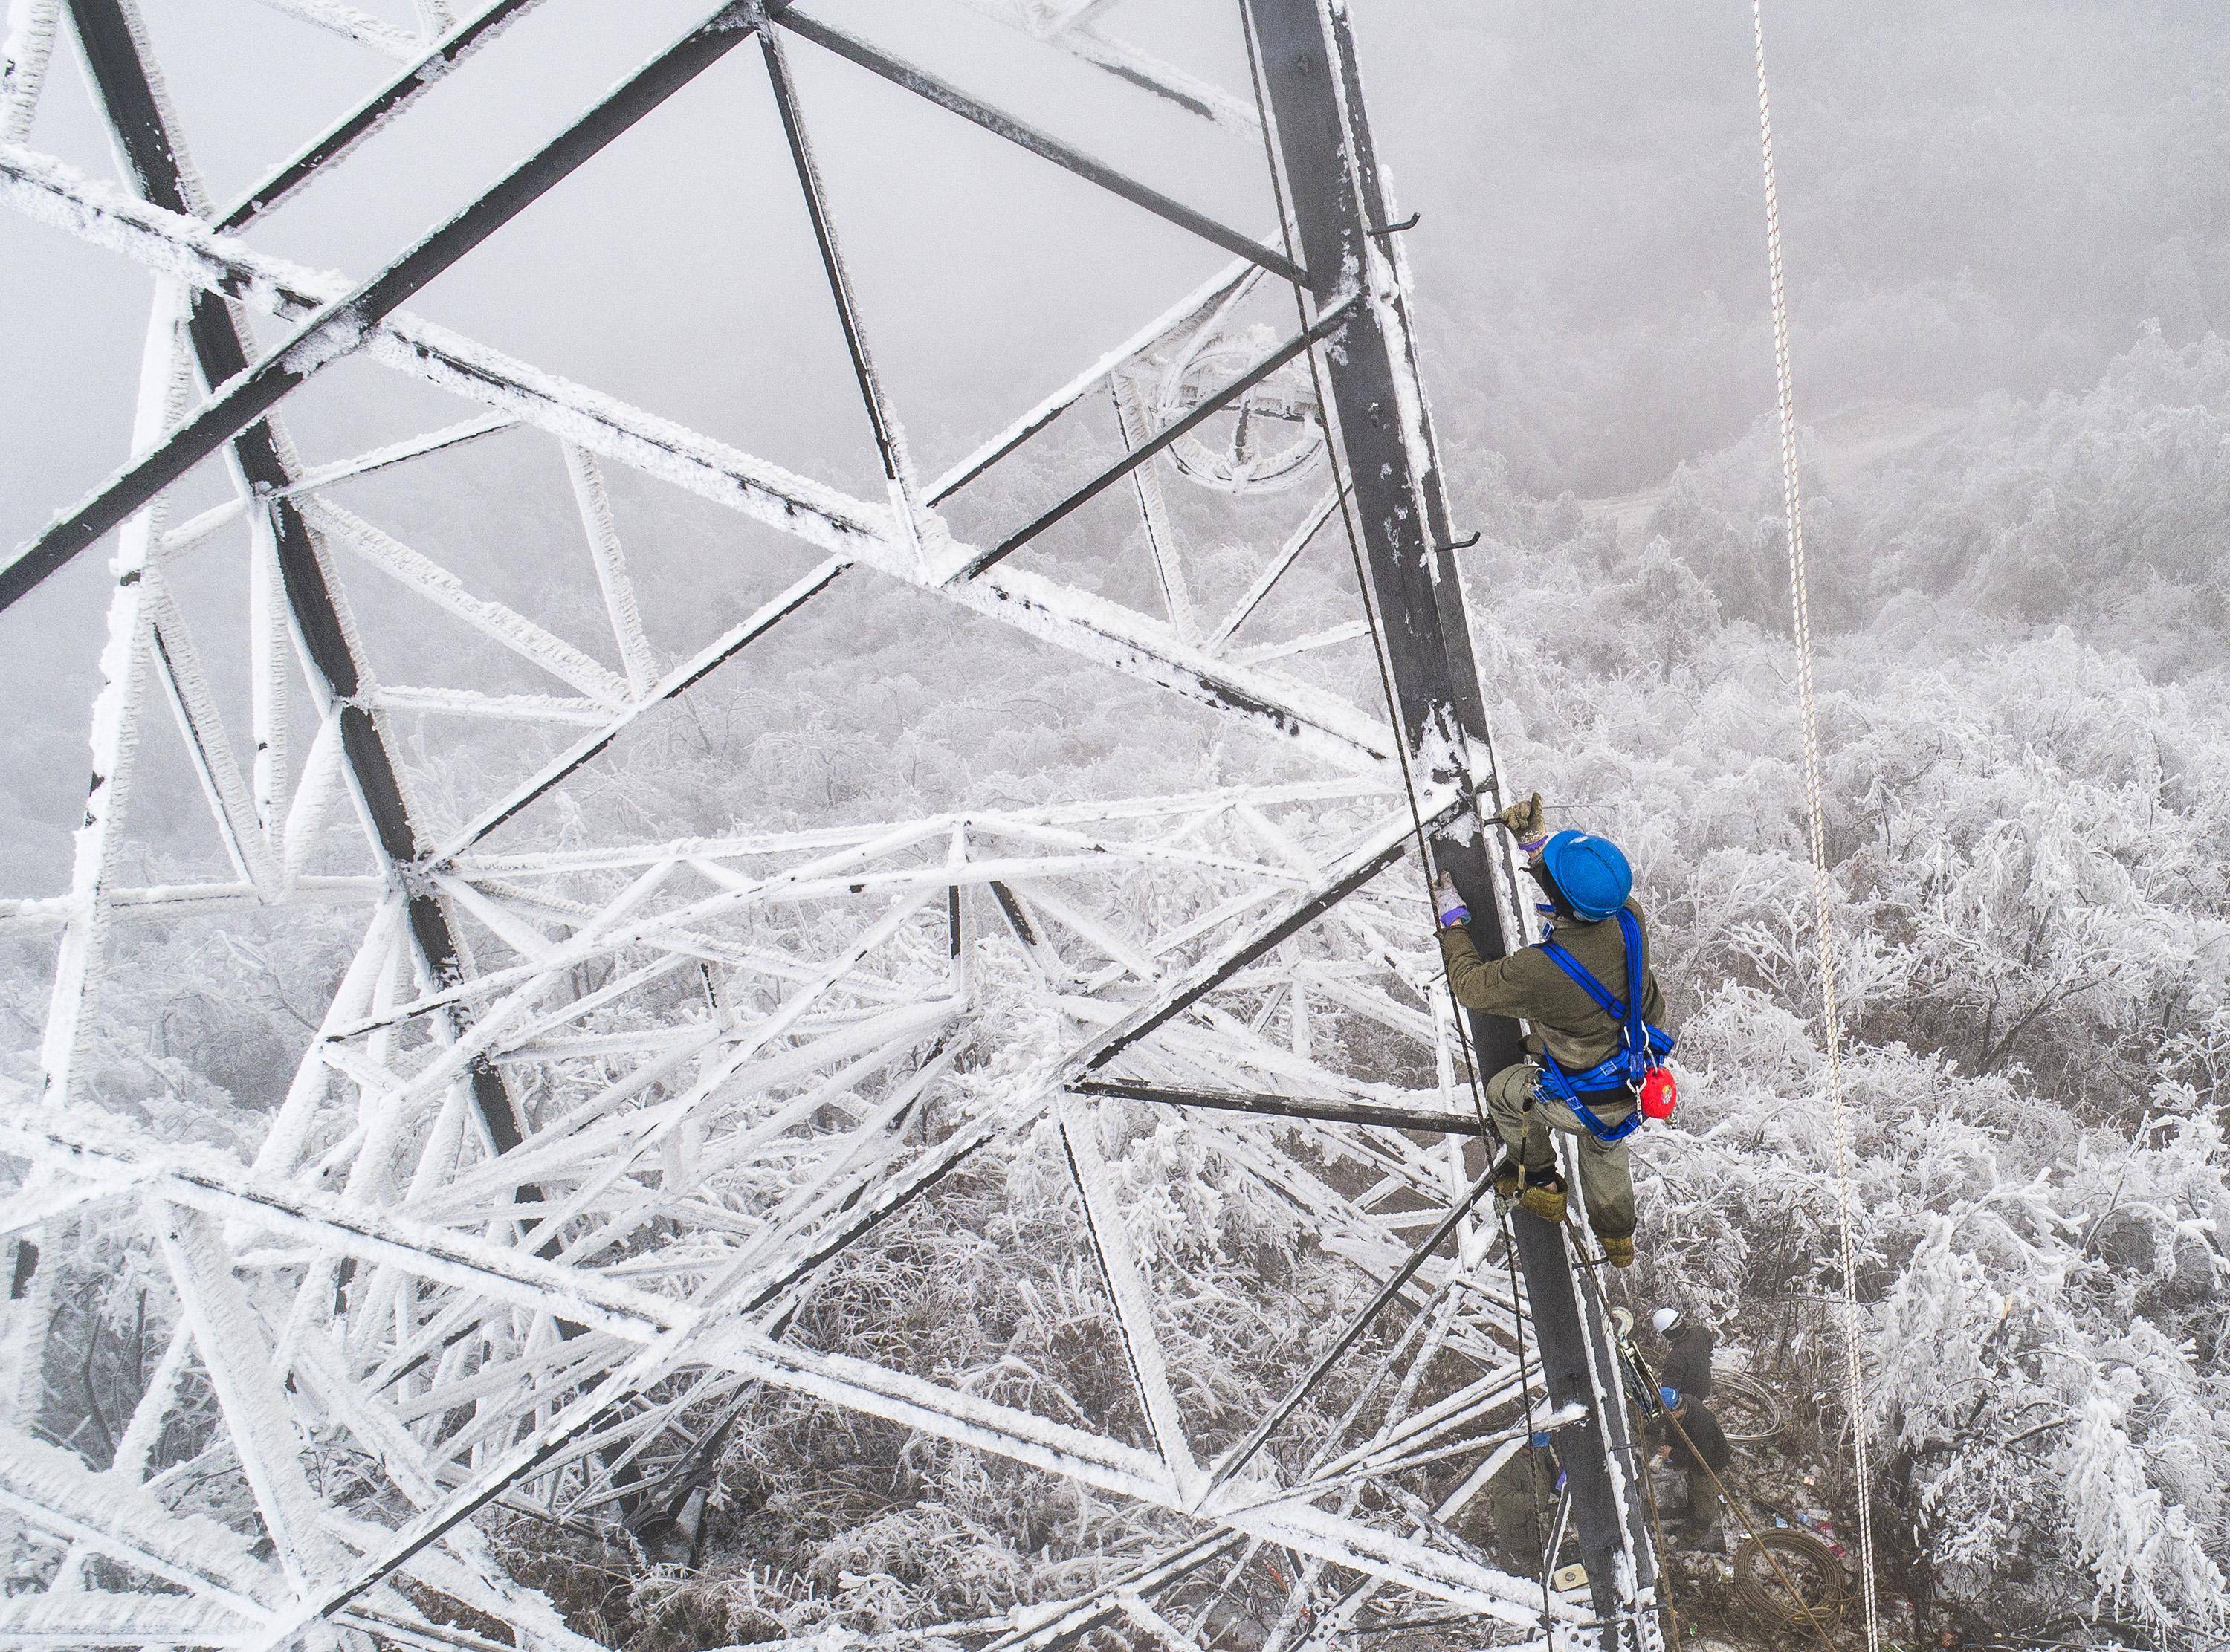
x: 136, y: 117
x: 1336, y: 201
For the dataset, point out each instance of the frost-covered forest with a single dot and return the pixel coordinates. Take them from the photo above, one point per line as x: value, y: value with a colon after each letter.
x: 2009, y: 229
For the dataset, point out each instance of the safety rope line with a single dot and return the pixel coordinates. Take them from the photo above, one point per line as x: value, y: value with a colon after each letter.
x: 1526, y: 1390
x: 1816, y: 832
x: 1668, y: 1609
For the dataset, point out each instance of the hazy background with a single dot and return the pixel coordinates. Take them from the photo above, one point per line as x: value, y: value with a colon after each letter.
x: 2008, y: 230
x: 1980, y: 200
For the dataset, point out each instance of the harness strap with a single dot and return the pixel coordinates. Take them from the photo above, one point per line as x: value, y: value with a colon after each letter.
x: 1641, y: 1043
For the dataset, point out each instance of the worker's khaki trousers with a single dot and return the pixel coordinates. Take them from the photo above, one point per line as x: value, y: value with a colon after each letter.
x: 1523, y: 1118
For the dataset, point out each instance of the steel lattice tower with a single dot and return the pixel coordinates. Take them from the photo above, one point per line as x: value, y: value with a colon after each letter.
x: 589, y: 1121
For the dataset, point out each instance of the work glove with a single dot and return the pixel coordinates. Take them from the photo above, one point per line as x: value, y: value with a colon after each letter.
x: 1528, y: 822
x: 1447, y: 903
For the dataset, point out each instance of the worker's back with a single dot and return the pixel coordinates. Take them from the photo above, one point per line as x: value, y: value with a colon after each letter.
x: 1687, y: 1365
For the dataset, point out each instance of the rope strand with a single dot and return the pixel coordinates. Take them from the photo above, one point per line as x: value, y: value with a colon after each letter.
x: 1816, y: 831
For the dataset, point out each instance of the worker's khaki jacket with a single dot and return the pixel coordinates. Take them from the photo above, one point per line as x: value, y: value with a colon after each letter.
x: 1529, y: 984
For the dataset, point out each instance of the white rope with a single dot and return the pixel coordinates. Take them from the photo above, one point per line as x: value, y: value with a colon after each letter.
x: 1815, y: 812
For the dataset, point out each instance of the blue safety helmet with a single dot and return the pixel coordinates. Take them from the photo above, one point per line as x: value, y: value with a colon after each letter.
x: 1670, y: 1396
x: 1590, y: 873
x: 1540, y: 1441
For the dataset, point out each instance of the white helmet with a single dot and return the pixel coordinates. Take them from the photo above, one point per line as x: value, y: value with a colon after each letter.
x: 1665, y: 1319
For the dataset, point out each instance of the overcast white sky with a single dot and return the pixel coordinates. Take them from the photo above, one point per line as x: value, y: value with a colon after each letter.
x: 1980, y: 193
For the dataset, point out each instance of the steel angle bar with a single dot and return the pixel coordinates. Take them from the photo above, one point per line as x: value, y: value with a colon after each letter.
x: 1277, y: 568
x: 82, y: 1618
x: 1291, y: 1107
x: 500, y: 708
x: 889, y: 440
x: 1126, y: 62
x: 1347, y: 631
x: 31, y: 1207
x: 1147, y: 814
x: 1324, y: 152
x: 1127, y: 1292
x: 1330, y: 322
x: 613, y: 583
x: 236, y: 1358
x: 347, y: 470
x: 1163, y: 541
x: 334, y: 144
x: 351, y: 23
x: 1223, y: 287
x: 25, y: 55
x: 1244, y: 1452
x: 502, y: 625
x: 923, y: 85
x: 340, y: 326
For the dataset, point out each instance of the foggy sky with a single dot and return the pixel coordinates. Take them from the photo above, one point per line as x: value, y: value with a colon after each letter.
x: 1979, y: 196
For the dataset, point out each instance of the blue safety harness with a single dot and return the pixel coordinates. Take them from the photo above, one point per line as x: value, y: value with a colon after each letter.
x: 1642, y: 1046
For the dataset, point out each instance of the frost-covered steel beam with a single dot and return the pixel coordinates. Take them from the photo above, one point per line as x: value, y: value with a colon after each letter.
x: 333, y: 145
x: 1287, y: 1107
x: 25, y: 55
x: 1226, y: 286
x: 1338, y: 204
x: 890, y: 439
x: 1126, y: 1288
x: 945, y: 96
x: 337, y: 328
x: 1324, y: 328
x: 351, y: 23
x: 110, y: 35
x: 124, y: 662
x: 1082, y: 623
x: 666, y: 1333
x: 1126, y: 62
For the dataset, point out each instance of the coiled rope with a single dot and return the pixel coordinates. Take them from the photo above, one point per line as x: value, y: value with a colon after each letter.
x: 1815, y: 821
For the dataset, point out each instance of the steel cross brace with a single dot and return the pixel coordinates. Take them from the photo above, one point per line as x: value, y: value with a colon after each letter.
x: 244, y: 395
x: 927, y: 86
x: 858, y: 532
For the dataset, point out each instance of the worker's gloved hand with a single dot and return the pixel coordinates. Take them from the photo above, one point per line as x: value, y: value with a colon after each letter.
x: 1447, y: 903
x: 1528, y: 822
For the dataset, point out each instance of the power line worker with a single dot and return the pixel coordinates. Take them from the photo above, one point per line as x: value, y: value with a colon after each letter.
x: 1688, y: 1347
x: 1696, y: 1445
x: 1521, y: 1503
x: 1594, y: 1012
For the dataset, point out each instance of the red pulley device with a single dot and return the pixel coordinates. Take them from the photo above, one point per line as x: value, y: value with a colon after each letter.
x: 1660, y: 1095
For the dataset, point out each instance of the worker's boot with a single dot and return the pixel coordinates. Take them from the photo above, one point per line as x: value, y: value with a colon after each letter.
x: 1618, y: 1249
x: 1543, y: 1194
